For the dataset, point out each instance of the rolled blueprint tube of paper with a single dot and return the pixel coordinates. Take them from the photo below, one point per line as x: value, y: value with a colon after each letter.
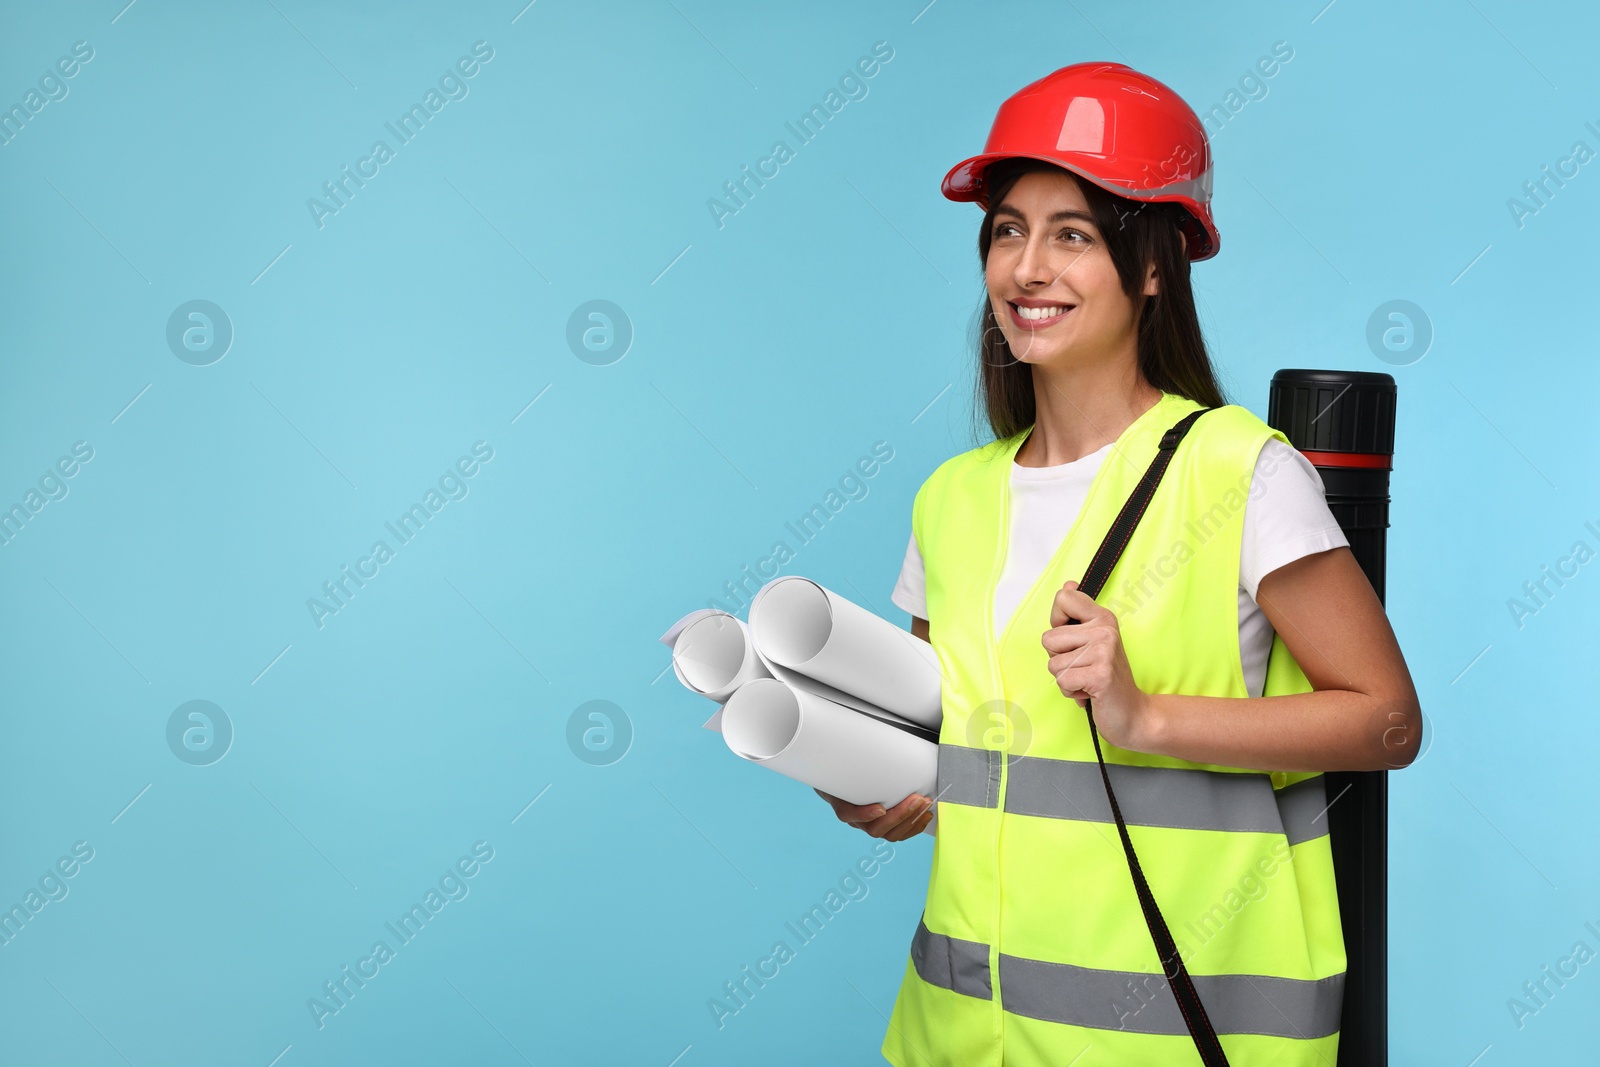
x: 800, y: 625
x: 713, y: 656
x: 826, y: 745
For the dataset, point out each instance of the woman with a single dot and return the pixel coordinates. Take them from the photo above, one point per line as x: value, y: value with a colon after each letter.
x: 1234, y: 654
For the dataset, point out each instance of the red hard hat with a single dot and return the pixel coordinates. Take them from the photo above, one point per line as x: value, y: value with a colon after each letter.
x: 1105, y: 122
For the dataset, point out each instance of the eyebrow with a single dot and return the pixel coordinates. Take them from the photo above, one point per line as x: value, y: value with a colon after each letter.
x: 1059, y: 216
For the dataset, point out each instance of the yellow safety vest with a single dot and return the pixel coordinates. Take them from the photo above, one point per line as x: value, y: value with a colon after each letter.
x: 1032, y: 948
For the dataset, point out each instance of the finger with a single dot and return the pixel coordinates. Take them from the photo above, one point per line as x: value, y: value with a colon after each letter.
x: 910, y: 827
x: 854, y: 814
x: 1065, y: 638
x: 1077, y: 659
x: 859, y: 814
x: 902, y: 811
x: 1071, y: 603
x: 1076, y: 684
x: 920, y: 824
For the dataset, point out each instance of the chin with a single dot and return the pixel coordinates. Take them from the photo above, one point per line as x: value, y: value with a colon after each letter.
x: 1030, y: 350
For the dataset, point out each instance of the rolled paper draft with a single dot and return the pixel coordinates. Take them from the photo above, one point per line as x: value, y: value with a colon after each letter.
x: 677, y: 628
x: 720, y: 656
x: 713, y: 655
x: 826, y: 745
x: 796, y: 680
x: 798, y: 624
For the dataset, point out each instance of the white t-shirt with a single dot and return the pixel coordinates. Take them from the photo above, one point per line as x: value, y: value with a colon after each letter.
x: 1286, y: 517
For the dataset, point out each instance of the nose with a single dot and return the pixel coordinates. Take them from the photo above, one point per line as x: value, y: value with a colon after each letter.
x: 1033, y: 269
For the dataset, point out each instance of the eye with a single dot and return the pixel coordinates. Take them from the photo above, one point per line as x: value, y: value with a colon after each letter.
x: 1001, y: 228
x: 1083, y: 238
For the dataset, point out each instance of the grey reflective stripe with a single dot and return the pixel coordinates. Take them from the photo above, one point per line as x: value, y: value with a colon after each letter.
x: 969, y: 776
x: 1134, y: 1001
x: 1304, y: 807
x: 1182, y: 798
x: 1197, y: 188
x: 1142, y: 1003
x: 951, y: 963
x: 1177, y: 797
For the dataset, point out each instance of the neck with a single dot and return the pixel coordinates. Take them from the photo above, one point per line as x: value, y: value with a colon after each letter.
x: 1081, y: 409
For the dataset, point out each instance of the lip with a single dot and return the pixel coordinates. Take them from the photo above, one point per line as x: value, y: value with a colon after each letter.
x: 1036, y: 324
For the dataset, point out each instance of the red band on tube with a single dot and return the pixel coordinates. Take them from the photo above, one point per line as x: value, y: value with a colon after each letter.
x: 1349, y: 459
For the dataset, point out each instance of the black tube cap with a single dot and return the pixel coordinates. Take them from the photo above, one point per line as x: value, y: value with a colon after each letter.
x: 1334, y: 410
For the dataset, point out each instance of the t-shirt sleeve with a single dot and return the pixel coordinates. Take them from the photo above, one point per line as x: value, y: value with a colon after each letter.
x: 910, y: 591
x: 1286, y: 515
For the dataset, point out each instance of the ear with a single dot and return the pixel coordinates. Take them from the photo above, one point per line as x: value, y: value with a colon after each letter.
x: 1151, y: 286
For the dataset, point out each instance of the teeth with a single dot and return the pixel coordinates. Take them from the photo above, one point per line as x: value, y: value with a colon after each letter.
x: 1040, y: 313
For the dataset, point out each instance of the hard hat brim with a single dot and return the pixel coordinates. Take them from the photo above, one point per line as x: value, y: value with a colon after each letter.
x: 964, y: 183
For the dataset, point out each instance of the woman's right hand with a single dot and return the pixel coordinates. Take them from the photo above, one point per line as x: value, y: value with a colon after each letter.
x: 906, y: 819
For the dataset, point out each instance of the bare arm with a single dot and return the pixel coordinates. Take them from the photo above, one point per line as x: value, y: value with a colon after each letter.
x: 1363, y: 712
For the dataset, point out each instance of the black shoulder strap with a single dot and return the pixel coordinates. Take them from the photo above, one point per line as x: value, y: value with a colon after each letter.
x: 1194, y: 1014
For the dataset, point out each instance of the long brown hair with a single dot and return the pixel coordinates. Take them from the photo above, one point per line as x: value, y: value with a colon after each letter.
x: 1171, y: 350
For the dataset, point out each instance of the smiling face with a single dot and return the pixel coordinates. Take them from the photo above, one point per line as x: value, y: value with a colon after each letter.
x: 1054, y: 289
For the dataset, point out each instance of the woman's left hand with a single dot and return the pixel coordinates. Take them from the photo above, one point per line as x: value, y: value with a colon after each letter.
x: 1088, y: 662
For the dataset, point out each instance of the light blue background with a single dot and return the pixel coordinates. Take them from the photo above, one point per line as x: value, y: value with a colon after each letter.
x: 769, y: 354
